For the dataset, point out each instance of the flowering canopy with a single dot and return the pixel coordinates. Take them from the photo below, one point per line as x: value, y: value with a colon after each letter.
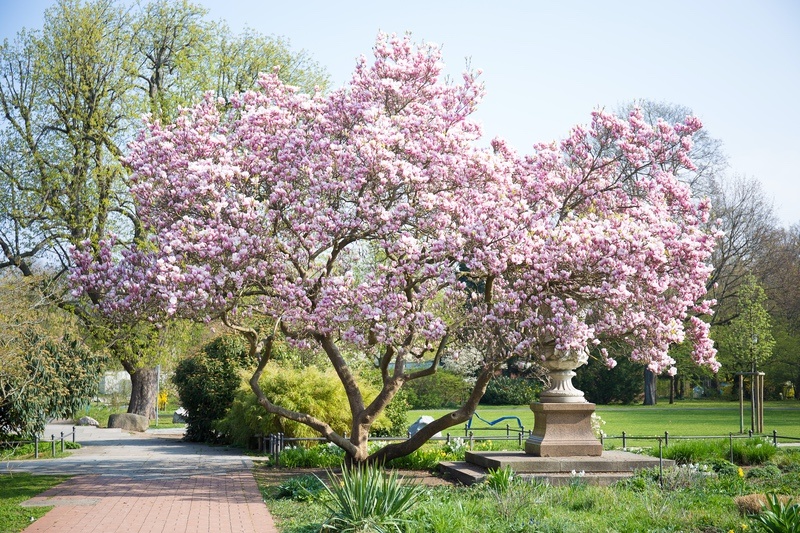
x: 369, y: 218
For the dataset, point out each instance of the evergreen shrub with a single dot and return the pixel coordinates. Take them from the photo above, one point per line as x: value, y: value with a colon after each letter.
x: 207, y: 384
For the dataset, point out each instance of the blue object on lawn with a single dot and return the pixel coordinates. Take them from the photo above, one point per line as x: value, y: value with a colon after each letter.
x: 492, y: 423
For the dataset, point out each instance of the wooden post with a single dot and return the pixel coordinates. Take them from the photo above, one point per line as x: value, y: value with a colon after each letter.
x: 741, y: 403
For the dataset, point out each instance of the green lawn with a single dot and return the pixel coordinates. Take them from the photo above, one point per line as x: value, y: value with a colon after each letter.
x: 683, y: 418
x: 15, y: 489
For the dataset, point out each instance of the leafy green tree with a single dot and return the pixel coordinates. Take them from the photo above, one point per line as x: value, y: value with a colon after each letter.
x: 71, y: 95
x: 746, y: 342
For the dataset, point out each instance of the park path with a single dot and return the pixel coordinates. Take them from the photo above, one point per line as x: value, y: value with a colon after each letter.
x: 147, y: 483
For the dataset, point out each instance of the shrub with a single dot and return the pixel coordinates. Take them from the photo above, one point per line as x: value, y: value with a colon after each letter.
x: 753, y: 451
x: 506, y: 390
x: 366, y: 498
x: 622, y: 384
x: 694, y: 451
x: 764, y: 472
x: 440, y: 390
x: 207, y: 384
x: 44, y: 377
x: 309, y: 390
x: 320, y: 456
x: 300, y: 489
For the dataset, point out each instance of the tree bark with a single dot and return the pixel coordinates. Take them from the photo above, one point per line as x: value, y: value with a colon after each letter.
x: 650, y: 395
x: 144, y: 390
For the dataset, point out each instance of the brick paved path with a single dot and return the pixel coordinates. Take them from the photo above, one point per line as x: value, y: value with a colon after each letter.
x: 132, y: 483
x: 113, y: 504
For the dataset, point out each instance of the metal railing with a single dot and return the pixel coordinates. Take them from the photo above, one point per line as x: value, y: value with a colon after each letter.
x: 274, y: 444
x: 36, y: 441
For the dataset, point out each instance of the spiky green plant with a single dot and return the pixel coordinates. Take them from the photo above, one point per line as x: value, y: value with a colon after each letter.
x: 367, y: 498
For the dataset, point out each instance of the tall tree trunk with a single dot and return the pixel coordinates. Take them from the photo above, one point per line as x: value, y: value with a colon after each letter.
x: 650, y: 395
x: 144, y: 390
x: 672, y: 385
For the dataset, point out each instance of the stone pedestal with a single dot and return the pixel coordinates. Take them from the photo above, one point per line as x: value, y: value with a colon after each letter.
x: 563, y: 430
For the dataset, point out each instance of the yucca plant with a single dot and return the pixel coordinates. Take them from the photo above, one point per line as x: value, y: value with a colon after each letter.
x: 779, y: 517
x: 367, y: 498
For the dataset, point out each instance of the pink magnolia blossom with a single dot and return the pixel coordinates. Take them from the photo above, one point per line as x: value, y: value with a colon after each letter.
x: 369, y: 219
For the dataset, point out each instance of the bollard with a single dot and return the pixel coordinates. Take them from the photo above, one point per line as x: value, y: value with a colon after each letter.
x: 36, y: 447
x: 508, y: 430
x: 624, y: 441
x: 73, y: 434
x: 775, y: 437
x: 62, y: 442
x: 53, y: 445
x: 448, y: 438
x: 602, y: 439
x: 666, y: 438
x: 471, y: 439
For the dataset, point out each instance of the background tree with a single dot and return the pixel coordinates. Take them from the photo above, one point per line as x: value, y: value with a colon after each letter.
x: 342, y: 221
x: 71, y: 96
x: 746, y: 342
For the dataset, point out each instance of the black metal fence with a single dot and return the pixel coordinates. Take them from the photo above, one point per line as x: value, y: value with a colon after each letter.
x: 276, y: 443
x: 54, y: 443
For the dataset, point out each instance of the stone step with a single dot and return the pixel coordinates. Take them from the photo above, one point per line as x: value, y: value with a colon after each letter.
x: 609, y: 461
x: 470, y: 474
x: 608, y: 468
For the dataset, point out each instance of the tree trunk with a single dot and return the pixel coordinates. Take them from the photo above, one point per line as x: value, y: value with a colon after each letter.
x: 672, y: 386
x: 650, y: 395
x: 144, y: 390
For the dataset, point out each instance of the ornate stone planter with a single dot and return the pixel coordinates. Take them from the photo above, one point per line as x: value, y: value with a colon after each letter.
x: 563, y: 417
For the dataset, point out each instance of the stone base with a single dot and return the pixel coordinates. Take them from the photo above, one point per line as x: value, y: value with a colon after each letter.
x: 613, y: 466
x: 563, y: 430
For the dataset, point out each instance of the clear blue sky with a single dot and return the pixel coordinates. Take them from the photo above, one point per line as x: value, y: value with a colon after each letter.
x: 548, y: 64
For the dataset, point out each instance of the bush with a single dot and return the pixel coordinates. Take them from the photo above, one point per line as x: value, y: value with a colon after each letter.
x: 307, y: 390
x: 753, y: 451
x: 506, y: 390
x: 43, y: 377
x: 764, y: 472
x: 300, y: 489
x: 622, y: 384
x: 440, y: 390
x: 320, y: 456
x: 750, y: 451
x: 207, y: 384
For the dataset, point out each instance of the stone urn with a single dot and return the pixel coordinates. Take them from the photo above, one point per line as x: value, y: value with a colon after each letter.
x: 563, y: 417
x: 561, y: 365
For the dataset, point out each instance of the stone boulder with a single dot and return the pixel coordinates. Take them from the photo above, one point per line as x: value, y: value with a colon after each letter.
x: 88, y: 421
x: 421, y: 423
x: 128, y: 422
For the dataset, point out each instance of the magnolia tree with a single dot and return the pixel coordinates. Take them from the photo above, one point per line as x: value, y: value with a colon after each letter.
x: 368, y: 221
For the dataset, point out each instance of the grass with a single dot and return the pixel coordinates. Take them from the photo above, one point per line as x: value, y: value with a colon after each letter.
x: 15, y: 489
x: 26, y: 450
x: 101, y: 411
x: 684, y: 418
x: 692, y: 499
